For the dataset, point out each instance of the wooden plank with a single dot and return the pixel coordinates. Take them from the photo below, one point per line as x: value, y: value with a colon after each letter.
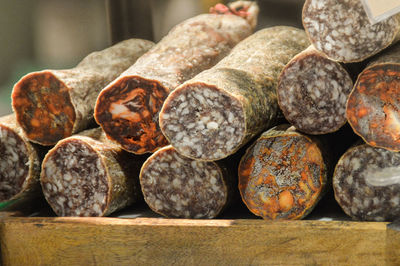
x: 393, y: 243
x: 153, y: 241
x: 5, y: 214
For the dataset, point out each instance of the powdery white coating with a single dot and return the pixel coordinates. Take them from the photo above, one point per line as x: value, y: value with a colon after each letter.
x: 74, y: 180
x: 359, y: 198
x: 14, y: 163
x: 313, y: 91
x: 191, y: 46
x: 341, y: 29
x: 204, y: 122
x: 175, y: 186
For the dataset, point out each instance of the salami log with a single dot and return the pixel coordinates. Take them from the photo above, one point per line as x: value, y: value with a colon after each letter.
x: 19, y: 163
x: 176, y: 186
x: 87, y: 175
x: 212, y: 115
x: 283, y: 174
x: 128, y: 108
x: 313, y: 91
x: 373, y: 107
x: 341, y: 29
x: 367, y: 183
x: 53, y: 104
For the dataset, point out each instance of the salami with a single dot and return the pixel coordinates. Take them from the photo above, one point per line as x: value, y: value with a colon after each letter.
x: 283, y: 174
x: 128, y: 108
x: 176, y: 186
x: 341, y: 29
x: 374, y: 103
x: 19, y: 163
x: 367, y: 183
x: 88, y: 175
x: 53, y: 104
x: 313, y: 91
x: 214, y: 114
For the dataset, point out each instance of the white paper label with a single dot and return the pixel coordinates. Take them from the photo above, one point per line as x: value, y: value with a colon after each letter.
x: 378, y: 10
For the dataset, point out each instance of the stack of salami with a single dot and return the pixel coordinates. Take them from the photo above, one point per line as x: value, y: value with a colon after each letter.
x: 83, y: 174
x: 192, y: 121
x: 349, y: 73
x: 93, y: 171
x: 366, y: 180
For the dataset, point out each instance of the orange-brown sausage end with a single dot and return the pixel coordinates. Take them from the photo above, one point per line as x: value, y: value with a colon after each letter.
x: 282, y: 177
x: 373, y: 107
x: 43, y: 107
x: 127, y: 110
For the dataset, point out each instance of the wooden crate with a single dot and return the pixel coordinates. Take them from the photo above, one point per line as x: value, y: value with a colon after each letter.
x: 159, y: 241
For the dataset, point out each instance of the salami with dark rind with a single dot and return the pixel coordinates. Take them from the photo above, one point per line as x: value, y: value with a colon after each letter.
x: 128, y: 108
x: 374, y: 103
x: 313, y: 91
x: 88, y: 175
x: 341, y: 29
x: 214, y: 114
x: 54, y: 104
x: 283, y: 174
x: 19, y: 163
x: 367, y: 183
x: 176, y: 186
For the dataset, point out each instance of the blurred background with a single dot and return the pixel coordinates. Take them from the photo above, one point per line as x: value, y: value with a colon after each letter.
x: 57, y: 34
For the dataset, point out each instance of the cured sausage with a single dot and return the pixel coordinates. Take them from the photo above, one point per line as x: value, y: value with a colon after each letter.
x: 367, y: 183
x: 88, y: 175
x: 341, y: 29
x: 214, y: 114
x: 128, y: 108
x: 374, y: 103
x: 313, y: 91
x: 176, y: 186
x: 19, y: 163
x: 54, y: 104
x: 283, y: 174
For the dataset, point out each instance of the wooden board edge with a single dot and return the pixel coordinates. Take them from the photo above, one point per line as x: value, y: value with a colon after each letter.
x: 90, y: 241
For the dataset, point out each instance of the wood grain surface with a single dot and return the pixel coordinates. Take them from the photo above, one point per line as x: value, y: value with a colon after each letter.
x: 393, y: 243
x: 158, y: 241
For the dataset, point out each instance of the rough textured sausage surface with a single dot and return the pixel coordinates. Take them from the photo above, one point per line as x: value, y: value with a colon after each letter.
x: 374, y: 103
x: 367, y: 184
x: 176, y: 186
x: 53, y: 104
x: 19, y: 163
x: 313, y: 91
x: 283, y: 174
x: 212, y: 115
x: 128, y: 108
x: 87, y: 175
x: 341, y: 29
